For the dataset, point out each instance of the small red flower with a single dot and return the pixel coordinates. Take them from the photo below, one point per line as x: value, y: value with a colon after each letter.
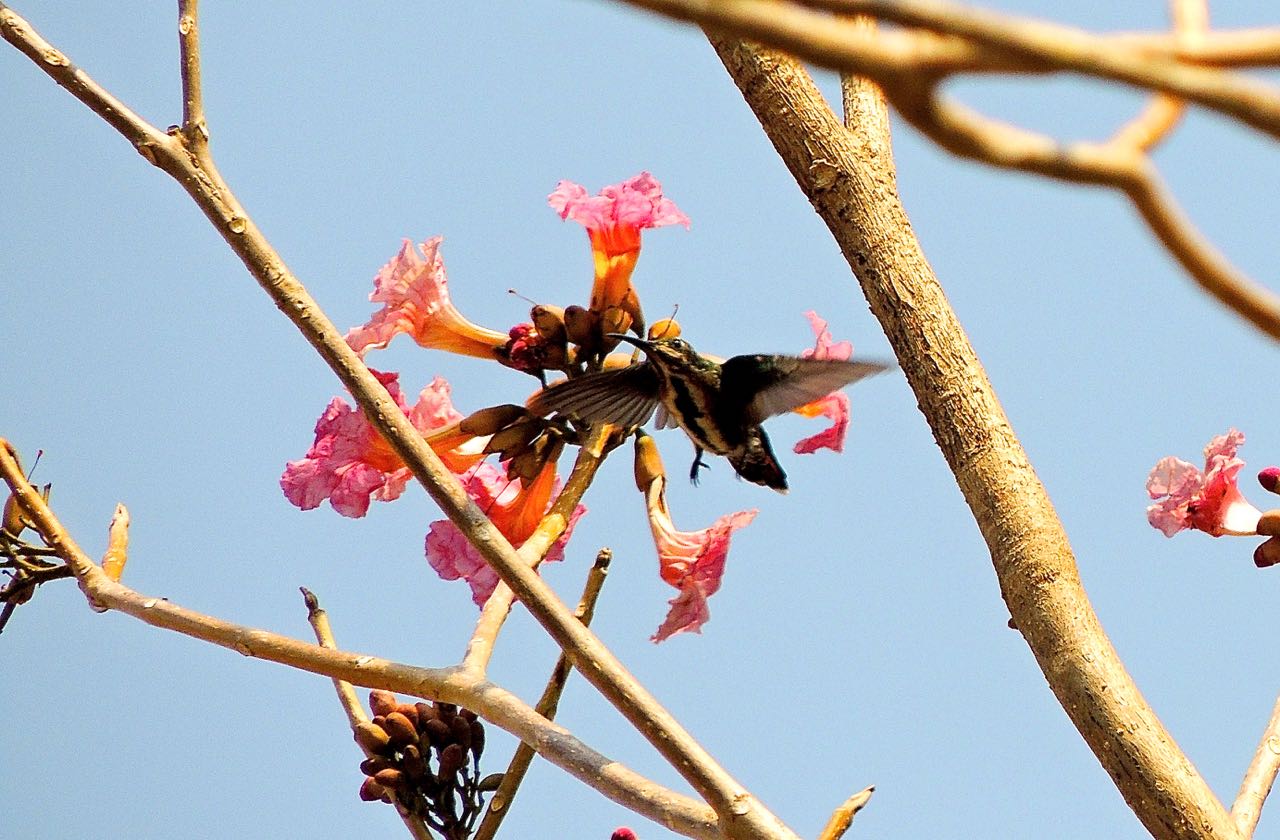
x: 1206, y: 501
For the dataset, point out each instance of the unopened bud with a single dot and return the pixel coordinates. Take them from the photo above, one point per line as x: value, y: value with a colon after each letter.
x: 477, y: 738
x: 390, y: 778
x: 489, y: 783
x: 452, y: 758
x: 460, y: 732
x: 372, y: 765
x: 666, y: 328
x: 410, y: 711
x: 400, y: 729
x: 1270, y: 479
x: 371, y: 791
x: 1267, y: 554
x: 438, y: 733
x: 486, y: 421
x: 648, y: 464
x: 372, y: 737
x: 382, y: 702
x: 426, y: 712
x: 550, y: 323
x: 613, y: 320
x: 582, y: 327
x: 512, y: 440
x: 1269, y: 523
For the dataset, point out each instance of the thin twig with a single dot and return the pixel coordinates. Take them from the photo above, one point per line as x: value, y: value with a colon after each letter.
x: 500, y: 802
x: 451, y: 685
x: 194, y: 129
x: 498, y: 607
x: 843, y: 816
x: 741, y: 813
x: 350, y: 702
x: 1259, y: 778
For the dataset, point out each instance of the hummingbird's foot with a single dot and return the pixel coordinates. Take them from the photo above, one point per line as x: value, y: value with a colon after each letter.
x: 698, y: 464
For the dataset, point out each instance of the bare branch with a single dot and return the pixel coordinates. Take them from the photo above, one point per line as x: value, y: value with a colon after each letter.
x: 350, y: 702
x: 1259, y: 778
x: 500, y: 803
x: 848, y: 176
x: 452, y: 685
x: 843, y: 816
x: 194, y: 128
x: 741, y: 813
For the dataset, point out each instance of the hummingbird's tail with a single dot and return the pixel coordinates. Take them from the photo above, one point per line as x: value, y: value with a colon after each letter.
x: 756, y: 462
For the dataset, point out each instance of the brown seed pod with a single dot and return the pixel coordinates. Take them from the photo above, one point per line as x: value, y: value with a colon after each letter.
x: 370, y: 790
x: 372, y: 737
x: 486, y: 421
x: 400, y: 729
x: 477, y: 738
x: 452, y: 758
x: 382, y: 702
x: 460, y: 732
x: 390, y: 778
x: 438, y: 733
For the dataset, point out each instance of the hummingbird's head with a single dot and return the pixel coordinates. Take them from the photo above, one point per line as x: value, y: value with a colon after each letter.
x: 665, y: 352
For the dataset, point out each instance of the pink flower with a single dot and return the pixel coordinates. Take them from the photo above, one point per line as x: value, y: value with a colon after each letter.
x: 613, y: 220
x: 834, y: 406
x: 623, y: 833
x: 1208, y: 501
x: 515, y: 508
x: 414, y: 293
x: 350, y: 464
x: 691, y: 561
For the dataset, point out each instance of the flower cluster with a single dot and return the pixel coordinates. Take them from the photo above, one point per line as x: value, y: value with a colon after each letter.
x: 425, y: 757
x: 1209, y: 500
x: 350, y: 465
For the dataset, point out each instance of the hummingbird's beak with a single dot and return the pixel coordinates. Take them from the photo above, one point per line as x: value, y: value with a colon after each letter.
x: 646, y: 346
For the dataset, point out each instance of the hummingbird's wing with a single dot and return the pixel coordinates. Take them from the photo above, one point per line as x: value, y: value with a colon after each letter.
x: 774, y: 385
x: 625, y: 397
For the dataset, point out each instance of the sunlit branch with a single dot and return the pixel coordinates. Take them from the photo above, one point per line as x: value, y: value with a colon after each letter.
x: 1259, y: 778
x: 450, y: 685
x: 847, y: 173
x: 548, y: 703
x: 741, y: 814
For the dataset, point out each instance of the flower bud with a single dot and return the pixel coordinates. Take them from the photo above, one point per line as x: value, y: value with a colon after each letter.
x: 666, y: 328
x: 1269, y: 523
x: 460, y: 732
x: 1269, y: 478
x: 382, y: 702
x: 390, y: 778
x: 549, y: 321
x: 438, y: 733
x: 370, y: 790
x: 372, y: 765
x: 452, y: 758
x: 648, y: 463
x: 613, y: 320
x: 372, y: 737
x: 400, y: 729
x: 477, y: 738
x: 489, y: 783
x: 486, y: 421
x: 426, y: 712
x: 582, y: 327
x: 1267, y: 554
x: 410, y: 711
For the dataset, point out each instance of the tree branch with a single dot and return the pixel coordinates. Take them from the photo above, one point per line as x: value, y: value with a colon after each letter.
x: 1259, y: 778
x: 740, y: 813
x: 548, y: 704
x: 452, y: 685
x: 848, y: 176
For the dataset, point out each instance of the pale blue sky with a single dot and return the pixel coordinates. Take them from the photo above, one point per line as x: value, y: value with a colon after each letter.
x: 859, y: 637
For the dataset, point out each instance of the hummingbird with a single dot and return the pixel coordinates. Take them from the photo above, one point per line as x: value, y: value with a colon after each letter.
x: 719, y: 405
